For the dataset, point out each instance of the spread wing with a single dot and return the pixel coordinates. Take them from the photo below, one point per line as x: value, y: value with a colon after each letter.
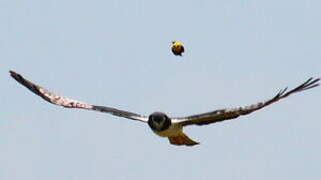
x: 70, y: 103
x: 226, y: 114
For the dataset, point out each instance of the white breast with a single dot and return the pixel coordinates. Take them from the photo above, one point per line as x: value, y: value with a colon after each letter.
x: 174, y: 130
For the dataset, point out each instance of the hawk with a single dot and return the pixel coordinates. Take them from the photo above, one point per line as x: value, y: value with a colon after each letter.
x: 160, y: 123
x: 177, y: 48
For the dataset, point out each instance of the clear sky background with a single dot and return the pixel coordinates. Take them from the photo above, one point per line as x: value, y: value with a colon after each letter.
x: 117, y: 53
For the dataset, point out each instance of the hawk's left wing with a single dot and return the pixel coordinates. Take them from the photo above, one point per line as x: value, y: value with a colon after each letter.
x: 226, y: 114
x: 71, y: 103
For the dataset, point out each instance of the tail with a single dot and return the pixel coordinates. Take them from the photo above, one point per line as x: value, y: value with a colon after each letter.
x: 182, y: 139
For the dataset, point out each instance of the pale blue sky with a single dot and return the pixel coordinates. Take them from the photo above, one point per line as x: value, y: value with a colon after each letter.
x: 117, y: 53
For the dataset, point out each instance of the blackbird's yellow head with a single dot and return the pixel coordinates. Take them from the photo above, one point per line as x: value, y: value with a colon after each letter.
x: 176, y: 43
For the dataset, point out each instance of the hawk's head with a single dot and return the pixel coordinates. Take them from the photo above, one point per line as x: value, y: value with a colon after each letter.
x: 159, y: 121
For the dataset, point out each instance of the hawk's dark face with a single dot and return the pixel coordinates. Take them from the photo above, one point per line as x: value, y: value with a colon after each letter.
x: 159, y: 121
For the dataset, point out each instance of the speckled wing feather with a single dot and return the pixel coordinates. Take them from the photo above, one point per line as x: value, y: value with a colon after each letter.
x: 226, y: 114
x: 71, y: 103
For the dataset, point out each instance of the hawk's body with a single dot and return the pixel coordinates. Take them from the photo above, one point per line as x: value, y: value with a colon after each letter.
x: 160, y: 123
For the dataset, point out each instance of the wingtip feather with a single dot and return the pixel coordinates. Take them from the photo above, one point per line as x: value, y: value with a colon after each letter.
x: 12, y: 73
x: 16, y: 76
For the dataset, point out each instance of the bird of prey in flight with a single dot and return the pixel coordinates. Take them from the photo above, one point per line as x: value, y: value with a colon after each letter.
x: 160, y: 123
x: 177, y: 48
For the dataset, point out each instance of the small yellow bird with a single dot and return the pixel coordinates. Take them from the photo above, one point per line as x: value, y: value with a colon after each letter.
x: 177, y: 48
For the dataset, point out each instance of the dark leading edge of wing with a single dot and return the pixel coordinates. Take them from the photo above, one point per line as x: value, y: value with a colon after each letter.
x: 71, y: 103
x: 226, y: 114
